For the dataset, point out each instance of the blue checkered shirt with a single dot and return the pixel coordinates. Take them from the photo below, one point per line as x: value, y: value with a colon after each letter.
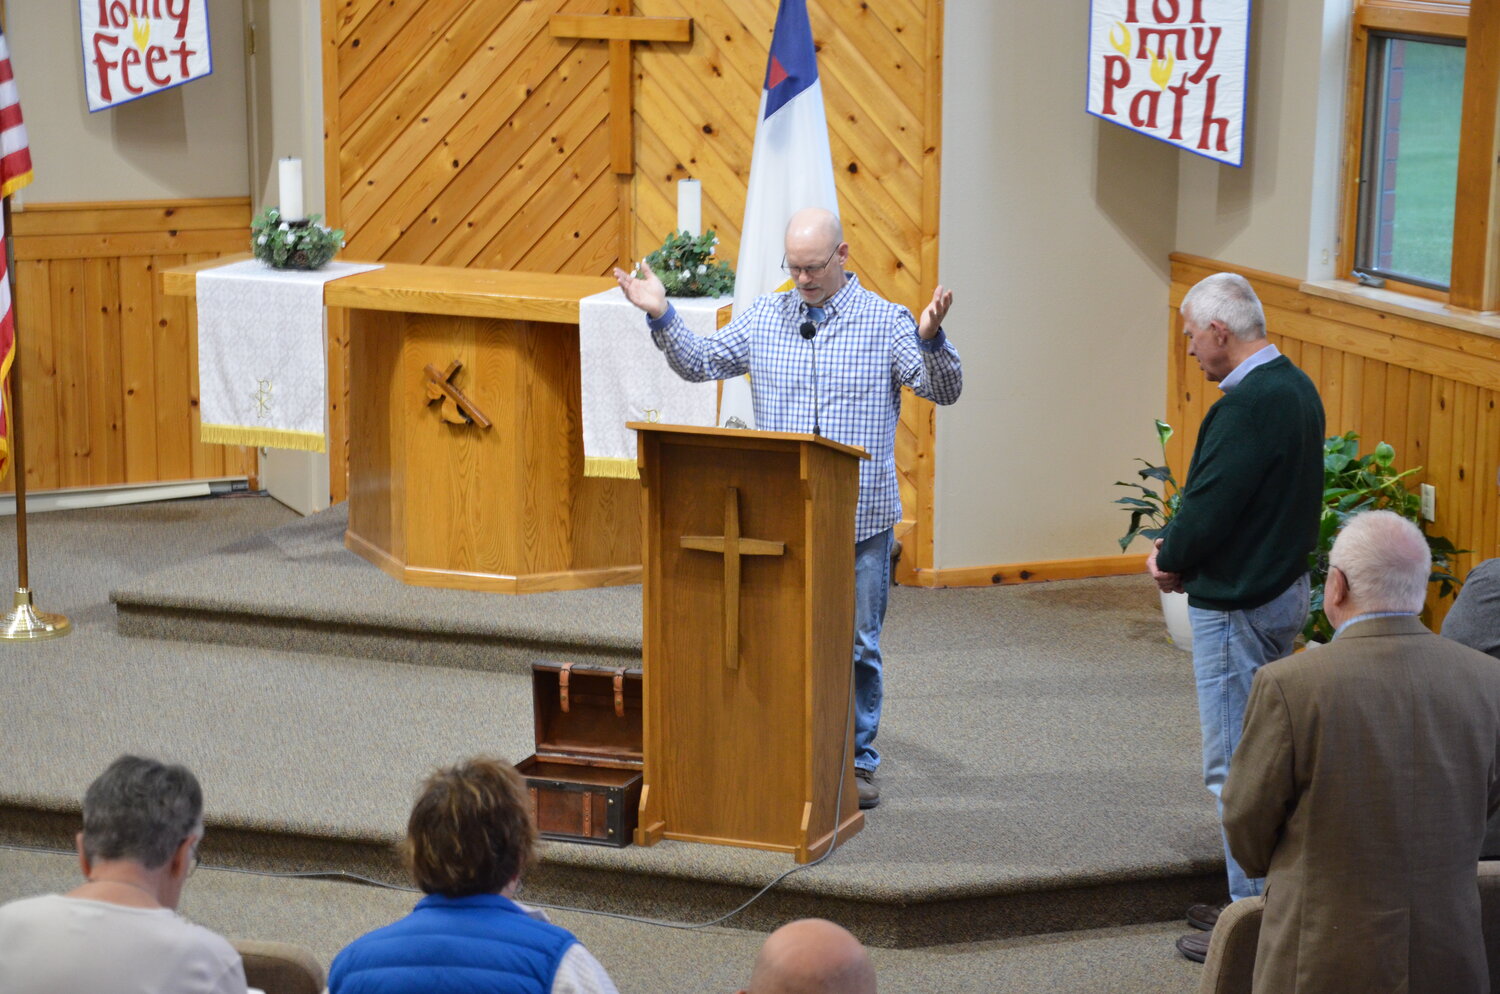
x: 867, y: 350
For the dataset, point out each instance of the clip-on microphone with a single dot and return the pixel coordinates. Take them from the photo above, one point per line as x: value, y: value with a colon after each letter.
x: 808, y: 330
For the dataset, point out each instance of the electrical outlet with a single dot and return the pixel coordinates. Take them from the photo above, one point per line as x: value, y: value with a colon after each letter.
x: 1429, y: 502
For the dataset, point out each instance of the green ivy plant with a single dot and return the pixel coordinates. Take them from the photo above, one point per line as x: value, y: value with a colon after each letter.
x: 1150, y: 512
x: 687, y: 267
x: 1353, y: 483
x: 296, y: 244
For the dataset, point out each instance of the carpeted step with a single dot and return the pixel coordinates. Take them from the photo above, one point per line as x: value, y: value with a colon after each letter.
x: 1040, y: 741
x: 686, y: 883
x: 296, y: 588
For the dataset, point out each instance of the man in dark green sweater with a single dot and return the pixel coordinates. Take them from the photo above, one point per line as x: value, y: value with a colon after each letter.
x: 1240, y: 539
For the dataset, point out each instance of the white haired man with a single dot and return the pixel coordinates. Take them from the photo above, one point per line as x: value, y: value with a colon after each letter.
x: 1241, y: 537
x: 871, y: 348
x: 812, y: 956
x: 119, y: 930
x: 1362, y: 783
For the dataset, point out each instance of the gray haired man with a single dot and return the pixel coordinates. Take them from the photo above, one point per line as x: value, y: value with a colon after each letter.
x: 119, y: 930
x: 1248, y: 519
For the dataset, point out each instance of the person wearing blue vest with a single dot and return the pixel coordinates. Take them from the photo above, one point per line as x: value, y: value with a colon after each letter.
x: 469, y: 838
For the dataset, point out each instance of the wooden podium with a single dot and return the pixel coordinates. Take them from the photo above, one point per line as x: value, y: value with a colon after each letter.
x: 748, y: 638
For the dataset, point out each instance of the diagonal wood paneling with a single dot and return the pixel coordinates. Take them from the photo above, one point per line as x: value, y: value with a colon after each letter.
x: 461, y: 133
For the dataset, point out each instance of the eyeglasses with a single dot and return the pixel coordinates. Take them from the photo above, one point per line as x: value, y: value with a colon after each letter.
x: 813, y: 271
x: 193, y: 854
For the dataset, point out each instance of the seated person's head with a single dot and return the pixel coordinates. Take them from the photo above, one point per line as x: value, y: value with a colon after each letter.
x: 812, y: 956
x: 145, y: 813
x: 470, y: 831
x: 1379, y: 562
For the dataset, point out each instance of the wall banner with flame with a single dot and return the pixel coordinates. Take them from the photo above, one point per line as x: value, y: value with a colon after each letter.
x: 134, y: 48
x: 1174, y: 70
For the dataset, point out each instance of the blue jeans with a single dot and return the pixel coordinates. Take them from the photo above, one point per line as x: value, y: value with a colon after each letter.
x: 1228, y: 647
x: 872, y: 587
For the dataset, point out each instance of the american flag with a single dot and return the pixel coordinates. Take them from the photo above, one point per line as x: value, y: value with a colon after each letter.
x: 15, y: 172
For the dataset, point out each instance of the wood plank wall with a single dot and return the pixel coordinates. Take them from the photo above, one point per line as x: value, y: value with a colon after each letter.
x: 109, y: 365
x: 461, y: 133
x: 1430, y: 391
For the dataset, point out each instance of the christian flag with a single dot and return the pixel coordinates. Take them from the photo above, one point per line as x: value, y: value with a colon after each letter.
x: 791, y: 167
x: 15, y: 172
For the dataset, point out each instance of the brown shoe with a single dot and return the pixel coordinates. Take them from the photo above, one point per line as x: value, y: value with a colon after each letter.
x: 869, y: 794
x: 1204, y: 916
x: 1194, y: 945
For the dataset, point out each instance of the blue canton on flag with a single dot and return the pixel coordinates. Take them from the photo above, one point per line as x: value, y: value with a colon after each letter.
x: 793, y: 65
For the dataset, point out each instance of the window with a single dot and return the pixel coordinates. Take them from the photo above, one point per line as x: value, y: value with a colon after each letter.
x: 1423, y: 144
x: 1409, y: 166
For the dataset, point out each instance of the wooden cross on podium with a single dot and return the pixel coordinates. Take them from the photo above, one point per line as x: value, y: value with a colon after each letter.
x: 731, y: 546
x: 620, y: 29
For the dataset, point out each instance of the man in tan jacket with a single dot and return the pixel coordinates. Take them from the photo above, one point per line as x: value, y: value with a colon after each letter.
x: 1361, y: 786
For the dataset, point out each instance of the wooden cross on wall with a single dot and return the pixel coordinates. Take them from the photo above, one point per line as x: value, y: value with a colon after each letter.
x: 731, y: 546
x: 620, y: 29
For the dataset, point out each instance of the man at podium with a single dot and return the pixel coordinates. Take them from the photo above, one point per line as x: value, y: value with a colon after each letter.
x: 828, y: 357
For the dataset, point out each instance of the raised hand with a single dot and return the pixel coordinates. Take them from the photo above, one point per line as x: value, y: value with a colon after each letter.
x: 933, y: 314
x: 645, y: 292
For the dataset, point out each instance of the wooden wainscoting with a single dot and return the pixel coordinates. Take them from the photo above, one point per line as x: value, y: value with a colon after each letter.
x: 461, y: 133
x: 109, y: 365
x: 1388, y: 371
x: 1039, y: 571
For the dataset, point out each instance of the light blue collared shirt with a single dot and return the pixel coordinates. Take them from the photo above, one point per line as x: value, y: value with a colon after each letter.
x: 870, y: 349
x: 1243, y: 370
x: 1373, y: 614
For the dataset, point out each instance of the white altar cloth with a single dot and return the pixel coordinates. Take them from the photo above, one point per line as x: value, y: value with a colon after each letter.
x: 262, y: 363
x: 626, y: 378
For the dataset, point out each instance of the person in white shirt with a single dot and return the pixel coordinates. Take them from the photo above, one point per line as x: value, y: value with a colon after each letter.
x: 119, y: 932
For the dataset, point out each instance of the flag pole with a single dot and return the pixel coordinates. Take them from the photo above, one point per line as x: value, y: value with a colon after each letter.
x: 24, y: 623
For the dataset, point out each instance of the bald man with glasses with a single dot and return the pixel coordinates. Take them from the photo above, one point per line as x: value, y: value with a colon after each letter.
x: 828, y: 357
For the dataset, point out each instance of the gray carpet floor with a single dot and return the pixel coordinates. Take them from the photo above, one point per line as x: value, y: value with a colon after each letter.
x: 324, y: 916
x: 1034, y: 735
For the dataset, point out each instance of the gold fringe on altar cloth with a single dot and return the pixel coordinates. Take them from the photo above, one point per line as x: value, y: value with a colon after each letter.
x: 271, y: 438
x: 612, y: 467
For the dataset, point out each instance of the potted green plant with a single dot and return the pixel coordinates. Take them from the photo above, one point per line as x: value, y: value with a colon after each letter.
x: 1159, y: 498
x: 1354, y: 483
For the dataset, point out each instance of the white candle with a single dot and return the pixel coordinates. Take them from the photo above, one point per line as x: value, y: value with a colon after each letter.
x: 690, y: 206
x: 290, y: 183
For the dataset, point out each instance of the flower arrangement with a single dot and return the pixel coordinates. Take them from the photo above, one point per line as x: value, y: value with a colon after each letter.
x: 687, y: 267
x: 301, y: 244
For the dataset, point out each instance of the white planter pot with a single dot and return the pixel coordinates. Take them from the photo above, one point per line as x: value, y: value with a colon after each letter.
x: 1174, y: 608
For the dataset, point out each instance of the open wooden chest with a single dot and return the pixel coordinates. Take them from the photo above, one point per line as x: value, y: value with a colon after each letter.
x: 585, y: 778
